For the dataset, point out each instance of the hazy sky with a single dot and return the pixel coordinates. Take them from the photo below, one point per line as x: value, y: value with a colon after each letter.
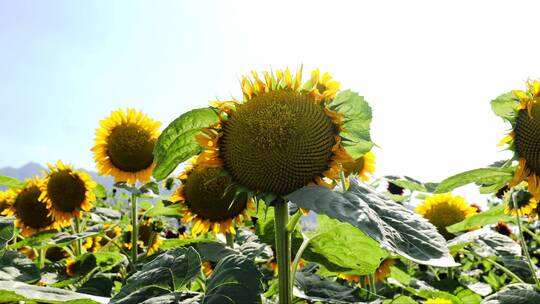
x: 428, y: 68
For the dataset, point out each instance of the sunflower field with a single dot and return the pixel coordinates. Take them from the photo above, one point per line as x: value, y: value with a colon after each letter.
x: 273, y: 197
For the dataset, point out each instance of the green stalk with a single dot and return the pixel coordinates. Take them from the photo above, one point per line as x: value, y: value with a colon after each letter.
x: 283, y: 251
x: 524, y: 245
x: 41, y: 254
x: 230, y: 239
x: 343, y: 179
x: 299, y: 253
x: 78, y: 242
x: 135, y: 225
x: 497, y: 265
x: 292, y: 223
x: 531, y: 233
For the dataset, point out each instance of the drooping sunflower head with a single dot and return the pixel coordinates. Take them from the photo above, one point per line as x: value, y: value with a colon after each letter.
x: 124, y: 146
x: 524, y: 139
x: 31, y: 212
x: 285, y: 135
x: 443, y: 210
x: 525, y: 201
x: 211, y: 202
x: 67, y: 192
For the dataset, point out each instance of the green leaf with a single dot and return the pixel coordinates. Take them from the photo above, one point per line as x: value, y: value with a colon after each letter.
x: 396, y: 228
x: 175, y: 243
x: 11, y: 182
x: 400, y: 300
x: 177, y: 142
x: 16, y: 291
x: 37, y: 240
x: 316, y: 288
x: 170, y: 270
x: 150, y: 189
x: 100, y: 191
x: 515, y: 294
x: 174, y: 210
x: 341, y: 247
x: 140, y: 295
x: 175, y: 298
x: 488, y: 243
x: 15, y: 266
x: 505, y: 105
x: 482, y: 175
x: 356, y: 122
x: 411, y: 185
x: 6, y: 231
x: 235, y: 279
x: 98, y: 286
x: 492, y: 216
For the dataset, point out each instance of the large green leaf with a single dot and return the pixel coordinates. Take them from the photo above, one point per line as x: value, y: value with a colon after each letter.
x: 170, y: 270
x: 316, y: 288
x: 37, y: 240
x: 394, y: 227
x: 11, y: 182
x: 175, y: 298
x: 504, y: 106
x: 481, y: 176
x: 16, y: 291
x: 340, y: 247
x: 174, y: 210
x: 177, y: 142
x: 235, y: 280
x: 357, y: 119
x: 487, y: 243
x: 515, y: 294
x: 494, y: 215
x: 6, y: 231
x: 15, y: 266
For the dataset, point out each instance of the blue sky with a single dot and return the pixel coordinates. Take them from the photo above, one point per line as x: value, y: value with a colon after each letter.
x: 428, y: 69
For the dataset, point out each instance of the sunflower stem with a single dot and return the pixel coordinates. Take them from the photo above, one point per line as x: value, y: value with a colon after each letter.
x: 531, y: 233
x: 230, y: 239
x: 135, y: 226
x: 299, y: 253
x: 343, y: 179
x: 524, y: 244
x: 78, y: 242
x: 41, y: 254
x: 283, y: 251
x: 294, y: 220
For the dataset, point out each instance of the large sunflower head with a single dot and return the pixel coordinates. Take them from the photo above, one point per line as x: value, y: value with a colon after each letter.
x: 67, y: 192
x: 124, y: 146
x: 524, y: 139
x: 31, y: 212
x: 443, y: 210
x: 284, y: 134
x: 525, y: 201
x: 211, y: 202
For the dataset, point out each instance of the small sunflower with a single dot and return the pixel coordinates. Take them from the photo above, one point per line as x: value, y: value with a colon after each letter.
x: 443, y: 210
x: 382, y: 271
x: 31, y: 213
x: 6, y: 197
x: 207, y: 268
x: 438, y: 301
x: 147, y: 238
x: 363, y: 166
x: 71, y: 267
x: 525, y: 136
x: 285, y: 135
x: 92, y: 244
x: 212, y: 203
x: 525, y: 201
x: 503, y: 229
x: 67, y: 192
x: 124, y: 146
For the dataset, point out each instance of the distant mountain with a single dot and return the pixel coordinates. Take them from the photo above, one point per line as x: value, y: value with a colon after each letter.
x: 31, y: 169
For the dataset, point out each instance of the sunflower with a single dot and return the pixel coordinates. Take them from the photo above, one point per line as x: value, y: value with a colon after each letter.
x: 124, y: 146
x: 70, y: 267
x: 503, y: 229
x: 31, y: 213
x: 524, y: 200
x: 284, y: 135
x: 92, y: 244
x: 207, y: 268
x: 6, y: 197
x: 363, y: 166
x: 147, y: 238
x: 67, y: 191
x: 443, y: 210
x: 211, y: 202
x: 438, y: 301
x: 525, y: 136
x: 382, y: 271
